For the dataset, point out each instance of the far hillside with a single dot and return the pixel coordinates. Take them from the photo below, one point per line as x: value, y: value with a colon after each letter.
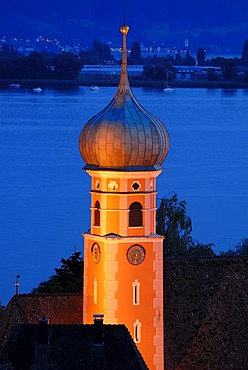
x: 168, y: 23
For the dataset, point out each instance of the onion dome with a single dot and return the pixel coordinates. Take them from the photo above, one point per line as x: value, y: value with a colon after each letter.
x: 124, y: 136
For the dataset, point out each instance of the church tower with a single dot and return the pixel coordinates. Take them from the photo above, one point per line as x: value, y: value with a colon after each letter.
x: 124, y: 147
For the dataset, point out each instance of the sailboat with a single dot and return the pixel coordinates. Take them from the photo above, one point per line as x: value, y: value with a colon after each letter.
x: 94, y: 88
x: 167, y: 87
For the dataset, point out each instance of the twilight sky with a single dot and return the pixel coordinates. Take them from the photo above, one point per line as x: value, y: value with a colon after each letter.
x: 203, y: 22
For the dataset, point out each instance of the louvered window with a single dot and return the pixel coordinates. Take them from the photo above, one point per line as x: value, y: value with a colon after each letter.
x: 135, y: 214
x: 97, y: 214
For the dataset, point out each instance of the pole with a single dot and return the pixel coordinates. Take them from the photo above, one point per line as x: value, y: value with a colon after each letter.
x: 17, y: 277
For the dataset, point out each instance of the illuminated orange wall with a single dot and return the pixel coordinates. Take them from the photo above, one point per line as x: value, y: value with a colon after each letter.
x: 127, y: 312
x: 115, y: 274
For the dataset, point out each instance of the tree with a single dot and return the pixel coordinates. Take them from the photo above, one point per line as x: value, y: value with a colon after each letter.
x: 1, y: 309
x: 66, y: 66
x: 245, y: 77
x: 201, y: 56
x: 212, y: 75
x: 106, y: 54
x: 176, y: 226
x: 229, y: 69
x: 215, y: 62
x: 6, y: 67
x: 201, y: 250
x: 156, y: 68
x: 174, y: 223
x: 178, y: 60
x: 67, y: 279
x: 244, y: 55
x: 242, y: 247
x: 189, y: 60
x: 97, y: 49
x: 135, y: 55
x: 36, y: 66
x: 229, y: 253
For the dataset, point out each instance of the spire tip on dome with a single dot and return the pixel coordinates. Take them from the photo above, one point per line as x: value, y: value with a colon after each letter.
x: 124, y: 29
x: 124, y: 87
x: 124, y: 136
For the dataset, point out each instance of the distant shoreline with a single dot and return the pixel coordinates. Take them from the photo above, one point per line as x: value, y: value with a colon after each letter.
x: 114, y: 81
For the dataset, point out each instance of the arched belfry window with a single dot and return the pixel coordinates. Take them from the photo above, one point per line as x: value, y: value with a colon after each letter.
x: 97, y: 214
x: 135, y: 215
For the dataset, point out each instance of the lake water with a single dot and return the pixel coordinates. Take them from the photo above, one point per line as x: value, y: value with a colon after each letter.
x: 44, y: 195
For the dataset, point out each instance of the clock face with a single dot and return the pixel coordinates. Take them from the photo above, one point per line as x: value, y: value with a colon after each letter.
x: 95, y: 252
x: 136, y: 254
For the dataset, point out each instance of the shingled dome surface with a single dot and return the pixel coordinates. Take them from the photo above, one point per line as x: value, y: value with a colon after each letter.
x: 124, y: 136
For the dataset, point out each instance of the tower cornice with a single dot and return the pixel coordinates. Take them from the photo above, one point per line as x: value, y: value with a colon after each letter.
x: 121, y: 239
x: 123, y: 174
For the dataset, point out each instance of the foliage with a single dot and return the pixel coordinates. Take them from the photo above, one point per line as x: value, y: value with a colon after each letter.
x: 201, y: 56
x: 228, y: 66
x: 229, y: 253
x: 99, y: 54
x: 38, y: 66
x: 66, y: 66
x: 154, y: 73
x: 156, y: 68
x: 186, y: 60
x: 1, y: 309
x: 212, y: 75
x: 97, y: 49
x: 67, y: 279
x: 245, y: 77
x: 201, y: 250
x: 214, y: 62
x: 135, y: 55
x: 244, y: 56
x: 176, y: 226
x: 241, y: 249
x: 229, y: 69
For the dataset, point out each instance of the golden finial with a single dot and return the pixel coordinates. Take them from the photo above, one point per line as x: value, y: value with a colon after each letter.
x: 124, y: 29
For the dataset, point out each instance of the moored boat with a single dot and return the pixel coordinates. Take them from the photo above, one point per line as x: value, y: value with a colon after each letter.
x: 37, y: 89
x: 94, y: 88
x: 14, y: 86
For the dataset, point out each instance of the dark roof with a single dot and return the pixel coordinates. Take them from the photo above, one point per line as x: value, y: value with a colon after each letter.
x: 71, y: 347
x: 206, y: 311
x: 29, y: 308
x: 70, y: 344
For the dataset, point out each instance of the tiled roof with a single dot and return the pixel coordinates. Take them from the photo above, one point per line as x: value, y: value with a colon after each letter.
x: 29, y: 308
x: 71, y: 347
x: 206, y: 311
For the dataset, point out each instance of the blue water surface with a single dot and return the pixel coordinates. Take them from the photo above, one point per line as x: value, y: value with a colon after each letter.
x: 44, y: 194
